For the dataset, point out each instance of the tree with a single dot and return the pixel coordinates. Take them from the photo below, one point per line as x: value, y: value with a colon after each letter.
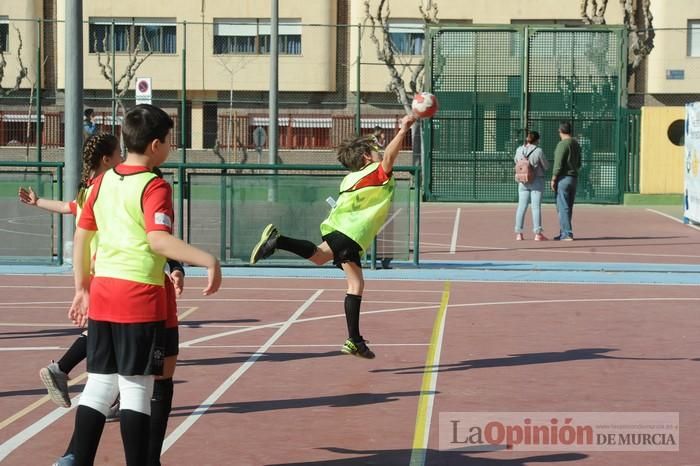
x: 394, y: 61
x: 641, y: 39
x: 22, y: 71
x: 386, y: 51
x: 136, y: 57
x: 22, y: 74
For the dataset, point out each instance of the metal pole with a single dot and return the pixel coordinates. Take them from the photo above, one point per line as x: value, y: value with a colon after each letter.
x: 59, y: 252
x: 73, y: 113
x: 358, y: 100
x: 113, y: 46
x: 183, y: 104
x: 39, y: 25
x: 274, y: 83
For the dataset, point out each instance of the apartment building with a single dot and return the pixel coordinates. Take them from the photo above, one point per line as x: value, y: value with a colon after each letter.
x: 219, y: 53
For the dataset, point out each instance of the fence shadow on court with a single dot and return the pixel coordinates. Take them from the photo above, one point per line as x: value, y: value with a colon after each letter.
x: 579, y: 354
x: 331, y: 401
x: 433, y: 457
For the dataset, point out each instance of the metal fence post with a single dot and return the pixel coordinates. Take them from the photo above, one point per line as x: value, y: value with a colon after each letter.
x: 183, y: 103
x: 114, y: 67
x: 38, y: 90
x: 358, y: 100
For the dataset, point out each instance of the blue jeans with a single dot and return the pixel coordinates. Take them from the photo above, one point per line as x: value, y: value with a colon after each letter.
x: 566, y: 193
x: 531, y: 192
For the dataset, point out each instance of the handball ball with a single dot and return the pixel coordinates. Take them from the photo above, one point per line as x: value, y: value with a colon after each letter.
x: 424, y: 105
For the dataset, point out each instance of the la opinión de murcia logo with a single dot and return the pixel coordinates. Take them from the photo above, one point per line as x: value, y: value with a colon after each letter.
x: 590, y: 431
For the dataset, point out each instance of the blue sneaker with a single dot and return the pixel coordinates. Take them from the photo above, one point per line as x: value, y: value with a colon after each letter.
x: 68, y: 460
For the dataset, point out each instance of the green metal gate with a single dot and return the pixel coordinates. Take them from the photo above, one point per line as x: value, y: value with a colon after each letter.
x: 494, y: 82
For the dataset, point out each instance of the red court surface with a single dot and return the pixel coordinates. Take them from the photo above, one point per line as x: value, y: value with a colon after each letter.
x: 526, y: 347
x: 261, y: 380
x: 603, y: 234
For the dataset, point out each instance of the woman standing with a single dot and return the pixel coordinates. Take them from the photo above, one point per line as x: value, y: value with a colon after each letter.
x: 532, y: 191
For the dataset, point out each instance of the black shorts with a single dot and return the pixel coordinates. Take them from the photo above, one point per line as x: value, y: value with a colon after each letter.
x: 344, y: 248
x: 125, y: 349
x: 172, y: 341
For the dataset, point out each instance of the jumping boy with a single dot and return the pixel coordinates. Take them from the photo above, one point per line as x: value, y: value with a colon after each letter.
x: 360, y: 211
x: 132, y: 209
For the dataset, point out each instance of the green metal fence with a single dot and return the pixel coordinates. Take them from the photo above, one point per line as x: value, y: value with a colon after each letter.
x: 634, y: 128
x: 495, y: 82
x: 29, y: 235
x: 221, y: 208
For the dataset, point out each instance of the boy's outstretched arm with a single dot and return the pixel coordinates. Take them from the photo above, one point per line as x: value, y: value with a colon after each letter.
x: 392, y: 149
x: 169, y: 246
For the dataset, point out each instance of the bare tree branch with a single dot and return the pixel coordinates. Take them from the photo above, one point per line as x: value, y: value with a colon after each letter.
x: 22, y: 71
x: 597, y: 11
x: 106, y: 67
x: 387, y: 53
x: 641, y: 39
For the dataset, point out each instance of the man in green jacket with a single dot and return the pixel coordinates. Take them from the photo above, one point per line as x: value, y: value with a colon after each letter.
x: 567, y: 164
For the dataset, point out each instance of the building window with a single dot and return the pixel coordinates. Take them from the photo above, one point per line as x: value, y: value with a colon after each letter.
x: 157, y: 36
x: 694, y: 38
x: 4, y: 33
x: 252, y: 36
x: 407, y: 37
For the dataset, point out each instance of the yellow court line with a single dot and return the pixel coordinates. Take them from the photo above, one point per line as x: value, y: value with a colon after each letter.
x: 427, y: 390
x: 37, y: 403
x: 185, y: 314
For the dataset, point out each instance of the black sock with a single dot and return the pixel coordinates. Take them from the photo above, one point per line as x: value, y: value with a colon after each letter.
x: 352, y: 316
x: 135, y: 429
x: 300, y: 247
x: 89, y: 424
x: 76, y: 353
x: 69, y: 450
x: 161, y: 403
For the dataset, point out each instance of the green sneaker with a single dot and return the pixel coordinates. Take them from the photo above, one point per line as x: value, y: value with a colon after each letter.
x: 267, y: 244
x: 359, y: 349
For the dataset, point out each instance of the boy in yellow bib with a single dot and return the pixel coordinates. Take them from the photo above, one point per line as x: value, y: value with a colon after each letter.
x: 360, y: 211
x: 131, y: 207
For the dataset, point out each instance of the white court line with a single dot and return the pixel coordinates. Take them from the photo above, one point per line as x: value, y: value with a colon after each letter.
x: 17, y: 440
x: 562, y: 250
x: 331, y: 345
x: 206, y: 404
x: 36, y: 302
x: 391, y: 219
x: 27, y: 324
x: 309, y: 319
x: 31, y: 348
x: 254, y: 288
x: 327, y: 301
x: 455, y: 231
x: 663, y: 214
x: 25, y: 233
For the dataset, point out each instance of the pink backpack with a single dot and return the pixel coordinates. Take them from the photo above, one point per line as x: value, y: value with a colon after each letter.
x: 524, y: 172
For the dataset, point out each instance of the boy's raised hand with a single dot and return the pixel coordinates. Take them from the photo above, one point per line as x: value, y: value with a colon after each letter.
x: 407, y: 121
x: 28, y: 196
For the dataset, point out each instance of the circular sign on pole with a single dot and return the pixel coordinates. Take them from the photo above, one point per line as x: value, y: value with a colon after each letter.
x: 143, y: 91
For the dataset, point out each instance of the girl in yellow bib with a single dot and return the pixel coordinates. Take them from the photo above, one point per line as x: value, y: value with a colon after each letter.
x: 360, y: 211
